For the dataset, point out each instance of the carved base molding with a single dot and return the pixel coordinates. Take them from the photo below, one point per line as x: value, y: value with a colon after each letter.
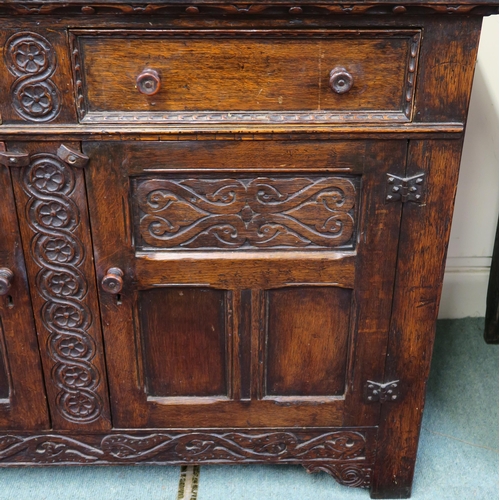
x: 346, y: 455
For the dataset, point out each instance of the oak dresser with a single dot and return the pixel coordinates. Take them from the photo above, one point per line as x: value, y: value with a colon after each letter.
x: 223, y: 229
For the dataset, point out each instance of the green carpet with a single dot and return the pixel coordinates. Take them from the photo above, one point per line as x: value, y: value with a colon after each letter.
x: 457, y: 460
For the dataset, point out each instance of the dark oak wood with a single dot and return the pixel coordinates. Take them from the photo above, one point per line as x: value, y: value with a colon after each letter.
x: 225, y: 229
x: 53, y: 217
x: 184, y: 342
x: 252, y: 73
x: 23, y: 403
x: 419, y: 277
x: 119, y: 191
x: 312, y: 364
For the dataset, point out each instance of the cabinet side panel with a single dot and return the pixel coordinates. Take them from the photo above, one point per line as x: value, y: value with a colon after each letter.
x: 184, y: 341
x: 308, y: 329
x: 425, y: 230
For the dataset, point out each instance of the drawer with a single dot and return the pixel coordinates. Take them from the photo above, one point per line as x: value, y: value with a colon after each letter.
x: 259, y: 76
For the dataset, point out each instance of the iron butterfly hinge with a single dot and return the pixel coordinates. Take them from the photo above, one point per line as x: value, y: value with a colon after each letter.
x: 405, y: 189
x: 376, y: 392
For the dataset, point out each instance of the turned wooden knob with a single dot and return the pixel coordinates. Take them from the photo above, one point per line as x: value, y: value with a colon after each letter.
x: 6, y: 276
x: 148, y: 82
x: 113, y: 281
x: 341, y: 80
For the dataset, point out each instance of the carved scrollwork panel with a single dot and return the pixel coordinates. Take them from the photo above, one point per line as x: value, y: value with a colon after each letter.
x: 207, y: 446
x: 58, y: 252
x: 244, y: 213
x: 343, y: 454
x: 348, y: 474
x: 32, y: 60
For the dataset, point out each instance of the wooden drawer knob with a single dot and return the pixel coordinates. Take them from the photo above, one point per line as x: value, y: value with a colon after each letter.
x: 148, y: 82
x: 6, y: 276
x: 341, y: 80
x: 113, y: 281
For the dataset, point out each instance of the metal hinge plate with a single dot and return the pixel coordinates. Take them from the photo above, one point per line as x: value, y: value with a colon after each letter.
x: 404, y: 188
x: 375, y: 392
x: 13, y: 159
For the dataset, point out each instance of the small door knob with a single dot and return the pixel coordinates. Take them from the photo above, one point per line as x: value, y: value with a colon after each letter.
x: 341, y: 80
x: 113, y: 281
x: 6, y: 276
x: 148, y: 82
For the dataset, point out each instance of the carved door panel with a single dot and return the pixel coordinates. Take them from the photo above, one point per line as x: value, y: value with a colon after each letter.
x: 244, y: 284
x: 52, y: 211
x: 23, y: 403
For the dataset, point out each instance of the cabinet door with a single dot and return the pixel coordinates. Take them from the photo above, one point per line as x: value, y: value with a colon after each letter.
x: 22, y: 396
x: 244, y: 283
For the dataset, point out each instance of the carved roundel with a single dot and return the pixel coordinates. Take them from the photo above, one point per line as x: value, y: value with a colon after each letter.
x: 32, y: 59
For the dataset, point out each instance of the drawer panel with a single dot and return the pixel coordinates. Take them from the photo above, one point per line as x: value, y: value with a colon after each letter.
x: 245, y: 76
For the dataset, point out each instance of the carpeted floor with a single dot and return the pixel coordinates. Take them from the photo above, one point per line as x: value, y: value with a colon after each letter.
x: 457, y: 460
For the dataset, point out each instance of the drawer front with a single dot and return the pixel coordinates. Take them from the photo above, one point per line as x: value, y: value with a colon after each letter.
x: 257, y: 76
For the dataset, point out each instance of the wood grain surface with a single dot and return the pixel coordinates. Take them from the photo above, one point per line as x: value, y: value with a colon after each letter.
x: 262, y: 277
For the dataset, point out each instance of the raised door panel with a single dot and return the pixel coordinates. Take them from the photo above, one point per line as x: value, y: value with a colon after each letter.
x: 307, y: 333
x: 249, y: 290
x: 184, y: 341
x: 23, y: 404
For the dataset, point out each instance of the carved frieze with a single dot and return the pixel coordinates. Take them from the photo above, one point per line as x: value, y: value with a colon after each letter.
x: 207, y: 446
x: 241, y: 213
x: 32, y: 60
x: 306, y: 9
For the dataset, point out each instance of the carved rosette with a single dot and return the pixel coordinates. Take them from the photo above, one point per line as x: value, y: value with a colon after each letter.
x: 286, y: 212
x: 53, y: 217
x: 32, y: 59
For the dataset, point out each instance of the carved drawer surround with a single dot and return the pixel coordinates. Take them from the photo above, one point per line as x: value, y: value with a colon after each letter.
x: 196, y: 272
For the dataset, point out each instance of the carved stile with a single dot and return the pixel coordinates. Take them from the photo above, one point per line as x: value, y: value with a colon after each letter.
x: 53, y: 217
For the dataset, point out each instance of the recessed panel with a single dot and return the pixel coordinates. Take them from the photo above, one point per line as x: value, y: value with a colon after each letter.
x: 307, y: 341
x: 184, y: 341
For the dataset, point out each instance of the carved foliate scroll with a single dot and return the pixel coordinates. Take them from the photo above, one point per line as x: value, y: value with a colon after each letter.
x: 207, y: 446
x: 239, y: 213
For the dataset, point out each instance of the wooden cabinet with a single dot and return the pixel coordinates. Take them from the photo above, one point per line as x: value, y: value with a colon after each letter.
x: 225, y: 229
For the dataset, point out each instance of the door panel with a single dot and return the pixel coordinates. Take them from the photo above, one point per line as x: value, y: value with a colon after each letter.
x: 184, y: 338
x: 245, y: 299
x: 23, y: 403
x: 307, y: 338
